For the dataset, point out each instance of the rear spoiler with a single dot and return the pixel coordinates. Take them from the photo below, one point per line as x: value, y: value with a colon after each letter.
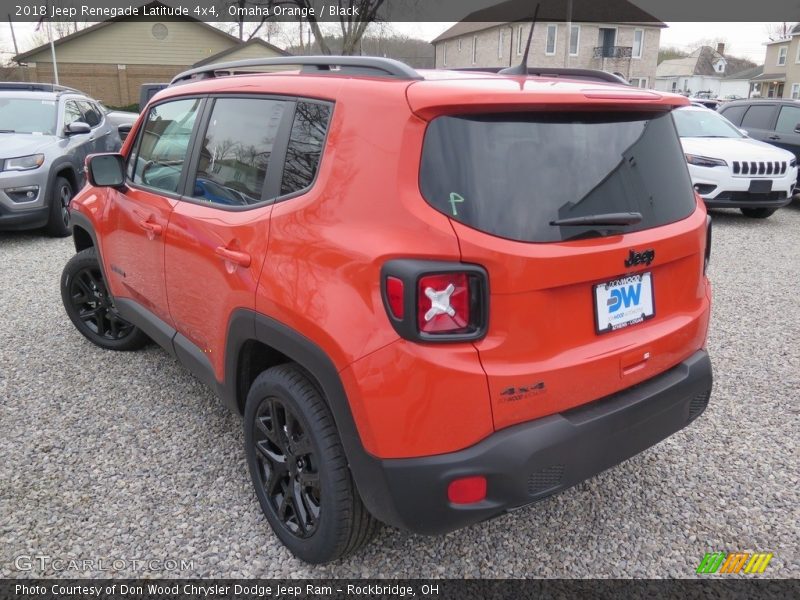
x: 565, y: 72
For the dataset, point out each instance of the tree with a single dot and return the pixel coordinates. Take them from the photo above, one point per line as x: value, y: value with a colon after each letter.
x: 669, y: 53
x: 778, y: 31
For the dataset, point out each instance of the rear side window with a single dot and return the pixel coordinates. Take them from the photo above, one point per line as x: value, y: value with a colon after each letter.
x: 788, y: 119
x: 236, y: 150
x: 510, y: 175
x: 759, y: 116
x: 734, y: 114
x: 305, y: 146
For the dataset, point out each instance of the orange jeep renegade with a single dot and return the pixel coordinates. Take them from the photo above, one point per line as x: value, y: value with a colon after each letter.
x: 434, y: 296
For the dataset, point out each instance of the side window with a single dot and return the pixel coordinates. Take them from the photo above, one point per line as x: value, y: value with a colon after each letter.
x: 759, y: 116
x: 305, y: 146
x: 72, y: 113
x: 236, y: 150
x: 788, y: 119
x: 90, y: 114
x: 163, y: 145
x: 734, y: 114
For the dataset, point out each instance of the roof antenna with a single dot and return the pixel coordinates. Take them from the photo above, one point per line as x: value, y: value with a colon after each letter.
x: 522, y: 68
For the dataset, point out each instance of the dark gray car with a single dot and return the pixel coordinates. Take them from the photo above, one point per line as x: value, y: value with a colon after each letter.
x: 46, y: 132
x: 772, y: 120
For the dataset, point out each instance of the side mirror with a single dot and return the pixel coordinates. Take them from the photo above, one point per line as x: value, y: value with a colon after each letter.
x: 797, y: 128
x: 77, y: 127
x: 124, y: 130
x: 744, y: 132
x: 106, y: 170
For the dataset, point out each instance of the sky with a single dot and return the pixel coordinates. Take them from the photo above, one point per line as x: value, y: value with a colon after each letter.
x: 742, y: 39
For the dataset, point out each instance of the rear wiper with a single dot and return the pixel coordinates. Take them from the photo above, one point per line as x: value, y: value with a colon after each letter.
x: 626, y: 218
x: 7, y: 131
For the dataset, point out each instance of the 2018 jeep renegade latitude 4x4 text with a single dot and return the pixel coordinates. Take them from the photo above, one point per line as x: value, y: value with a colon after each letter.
x: 433, y: 296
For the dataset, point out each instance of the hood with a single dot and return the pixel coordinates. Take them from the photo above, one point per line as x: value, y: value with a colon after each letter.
x: 729, y: 149
x: 23, y: 144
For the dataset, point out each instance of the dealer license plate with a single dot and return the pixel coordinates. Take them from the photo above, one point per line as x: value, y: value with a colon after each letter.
x: 623, y: 302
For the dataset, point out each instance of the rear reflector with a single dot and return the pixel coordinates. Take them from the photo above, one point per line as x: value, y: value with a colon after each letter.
x: 467, y: 490
x: 443, y: 303
x: 394, y: 296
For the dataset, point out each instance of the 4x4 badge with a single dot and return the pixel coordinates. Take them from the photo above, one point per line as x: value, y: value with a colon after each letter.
x: 638, y: 258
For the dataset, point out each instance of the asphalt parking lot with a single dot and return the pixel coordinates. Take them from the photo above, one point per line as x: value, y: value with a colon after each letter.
x: 124, y: 457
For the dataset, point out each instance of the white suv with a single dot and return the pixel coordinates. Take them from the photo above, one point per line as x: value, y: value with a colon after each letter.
x: 731, y: 170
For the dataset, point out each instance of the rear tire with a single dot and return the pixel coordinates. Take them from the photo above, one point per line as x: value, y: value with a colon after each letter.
x: 58, y: 223
x: 758, y: 213
x: 91, y: 308
x: 299, y: 469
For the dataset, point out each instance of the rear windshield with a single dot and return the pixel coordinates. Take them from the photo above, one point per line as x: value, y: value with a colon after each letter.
x: 510, y: 175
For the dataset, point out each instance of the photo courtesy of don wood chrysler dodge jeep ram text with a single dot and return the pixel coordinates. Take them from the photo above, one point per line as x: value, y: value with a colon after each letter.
x: 425, y: 319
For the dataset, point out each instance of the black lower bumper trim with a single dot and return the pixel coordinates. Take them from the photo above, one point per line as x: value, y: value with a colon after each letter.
x: 530, y: 461
x: 748, y: 200
x: 20, y: 220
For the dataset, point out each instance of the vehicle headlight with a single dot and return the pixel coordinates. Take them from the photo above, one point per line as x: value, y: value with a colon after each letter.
x: 23, y: 163
x: 705, y: 161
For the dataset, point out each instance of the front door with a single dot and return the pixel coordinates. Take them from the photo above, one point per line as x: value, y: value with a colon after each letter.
x: 216, y: 241
x: 140, y: 214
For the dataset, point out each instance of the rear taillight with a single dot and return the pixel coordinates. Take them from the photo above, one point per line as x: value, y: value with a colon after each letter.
x: 707, y: 257
x: 443, y: 303
x: 436, y: 301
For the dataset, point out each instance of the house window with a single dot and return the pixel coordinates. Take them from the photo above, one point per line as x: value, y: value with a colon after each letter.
x: 574, y: 40
x: 796, y: 91
x: 500, y: 37
x: 782, y: 55
x: 459, y: 44
x: 638, y: 42
x: 444, y: 54
x: 550, y: 44
x: 519, y: 40
x: 474, y: 49
x: 641, y: 82
x: 674, y: 85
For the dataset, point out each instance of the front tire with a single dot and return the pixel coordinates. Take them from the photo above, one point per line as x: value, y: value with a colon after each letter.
x: 91, y: 308
x: 58, y: 223
x: 299, y: 470
x: 758, y: 213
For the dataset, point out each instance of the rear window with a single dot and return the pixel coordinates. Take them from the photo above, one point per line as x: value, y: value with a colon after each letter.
x: 510, y: 175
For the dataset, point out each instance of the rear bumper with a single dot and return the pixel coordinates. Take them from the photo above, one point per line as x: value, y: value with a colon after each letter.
x: 533, y: 460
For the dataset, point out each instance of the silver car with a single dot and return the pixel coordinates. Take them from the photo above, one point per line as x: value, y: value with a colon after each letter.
x: 46, y: 132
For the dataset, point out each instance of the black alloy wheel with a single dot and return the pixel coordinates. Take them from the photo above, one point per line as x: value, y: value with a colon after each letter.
x: 287, y: 467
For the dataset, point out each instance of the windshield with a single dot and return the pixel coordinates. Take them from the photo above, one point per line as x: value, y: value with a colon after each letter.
x: 28, y: 115
x: 702, y: 123
x: 512, y: 175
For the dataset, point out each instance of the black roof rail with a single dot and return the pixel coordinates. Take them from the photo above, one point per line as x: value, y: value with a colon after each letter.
x: 35, y: 87
x: 567, y: 72
x: 366, y: 66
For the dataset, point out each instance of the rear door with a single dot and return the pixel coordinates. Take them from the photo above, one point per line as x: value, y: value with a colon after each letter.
x: 217, y: 237
x: 759, y: 121
x: 576, y: 312
x: 787, y: 129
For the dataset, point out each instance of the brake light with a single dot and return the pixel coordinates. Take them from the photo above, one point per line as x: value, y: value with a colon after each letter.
x: 443, y: 303
x: 467, y: 490
x: 394, y: 296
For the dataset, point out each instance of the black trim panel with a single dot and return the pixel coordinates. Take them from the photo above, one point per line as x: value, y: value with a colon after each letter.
x: 156, y: 329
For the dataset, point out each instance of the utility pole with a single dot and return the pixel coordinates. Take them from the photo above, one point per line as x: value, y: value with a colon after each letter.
x: 13, y: 36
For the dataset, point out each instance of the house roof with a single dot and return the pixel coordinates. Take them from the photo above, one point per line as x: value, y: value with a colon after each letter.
x: 253, y: 42
x: 583, y: 11
x: 67, y: 38
x: 701, y: 62
x: 770, y: 77
x: 747, y: 73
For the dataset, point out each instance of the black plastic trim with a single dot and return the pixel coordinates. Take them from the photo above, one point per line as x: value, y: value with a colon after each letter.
x: 156, y: 329
x: 533, y: 460
x: 409, y: 271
